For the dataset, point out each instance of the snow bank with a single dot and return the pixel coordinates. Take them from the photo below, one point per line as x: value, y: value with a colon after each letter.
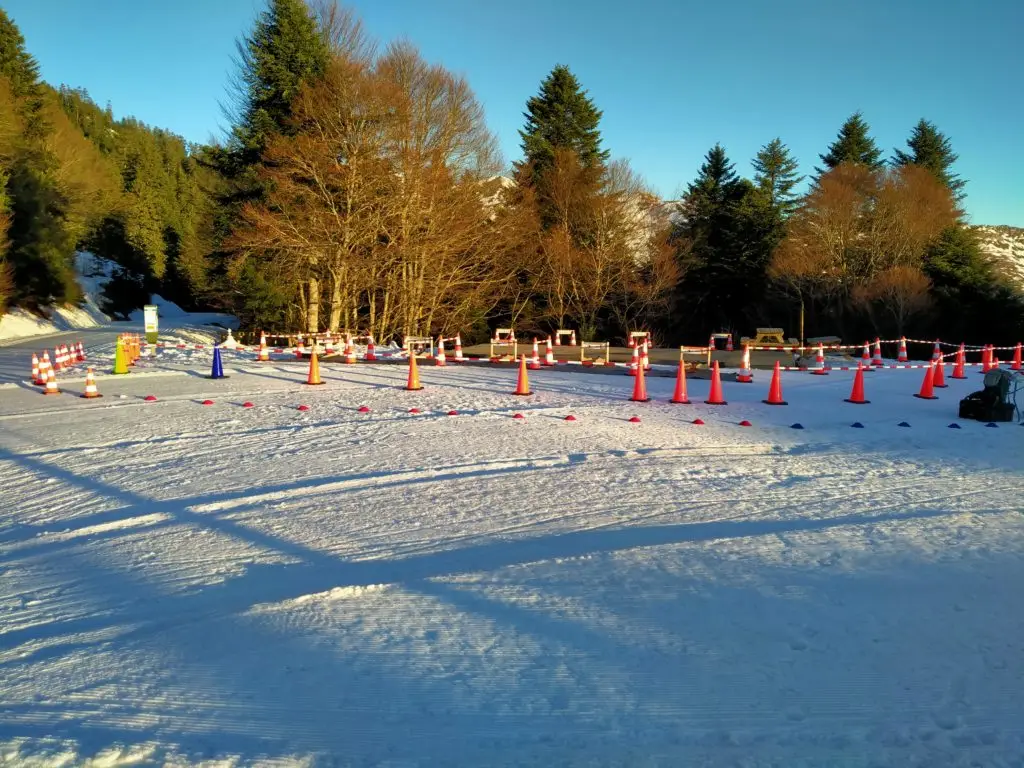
x: 165, y: 309
x: 92, y: 275
x: 20, y: 323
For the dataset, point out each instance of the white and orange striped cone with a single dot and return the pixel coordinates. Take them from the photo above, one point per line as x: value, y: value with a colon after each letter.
x: 328, y: 346
x: 876, y: 360
x: 535, y: 357
x: 350, y: 351
x: 711, y: 342
x: 300, y: 349
x: 901, y: 356
x: 58, y: 358
x: 371, y: 351
x: 458, y: 349
x: 865, y: 358
x: 645, y: 360
x: 1017, y: 363
x: 745, y: 375
x: 549, y: 354
x: 512, y: 335
x: 51, y: 383
x: 35, y: 370
x: 558, y: 339
x: 632, y: 341
x: 819, y: 368
x: 439, y: 358
x: 936, y: 352
x: 634, y: 362
x: 263, y: 355
x: 728, y: 343
x: 45, y: 364
x: 572, y: 338
x: 90, y: 385
x: 81, y: 352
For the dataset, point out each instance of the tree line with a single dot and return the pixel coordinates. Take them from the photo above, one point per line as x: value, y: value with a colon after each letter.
x: 359, y: 188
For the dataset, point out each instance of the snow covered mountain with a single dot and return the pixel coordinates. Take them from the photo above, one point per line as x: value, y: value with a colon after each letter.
x: 1006, y: 247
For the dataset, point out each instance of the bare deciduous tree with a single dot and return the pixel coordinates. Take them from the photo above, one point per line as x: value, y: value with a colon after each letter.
x: 857, y: 225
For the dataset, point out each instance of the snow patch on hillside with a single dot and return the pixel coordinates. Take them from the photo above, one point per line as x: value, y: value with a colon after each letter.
x: 92, y: 274
x: 1005, y: 245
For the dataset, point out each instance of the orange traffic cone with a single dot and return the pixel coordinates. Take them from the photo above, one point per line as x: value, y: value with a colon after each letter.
x: 413, y: 383
x: 927, y: 393
x: 549, y: 354
x: 350, y: 351
x: 263, y: 355
x: 775, y: 390
x: 901, y: 356
x: 90, y: 385
x: 371, y: 351
x: 634, y: 362
x: 51, y: 383
x: 865, y: 357
x: 961, y: 361
x: 523, y: 384
x: 857, y: 394
x: 313, y: 377
x: 728, y: 343
x: 640, y: 387
x: 877, y: 361
x: 35, y: 370
x: 715, y: 396
x: 439, y: 358
x: 458, y: 349
x: 645, y: 360
x: 679, y: 397
x: 939, y: 378
x: 1016, y: 366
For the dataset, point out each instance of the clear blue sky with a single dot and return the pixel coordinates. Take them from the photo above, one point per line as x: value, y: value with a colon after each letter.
x: 672, y: 76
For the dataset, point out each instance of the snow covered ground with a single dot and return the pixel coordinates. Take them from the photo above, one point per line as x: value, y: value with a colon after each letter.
x: 185, y: 584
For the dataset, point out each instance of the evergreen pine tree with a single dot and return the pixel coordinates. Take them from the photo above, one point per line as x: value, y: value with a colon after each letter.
x: 776, y: 176
x: 714, y: 185
x: 561, y: 116
x: 284, y: 50
x: 22, y: 73
x: 719, y: 218
x: 16, y: 64
x: 852, y: 145
x: 931, y: 149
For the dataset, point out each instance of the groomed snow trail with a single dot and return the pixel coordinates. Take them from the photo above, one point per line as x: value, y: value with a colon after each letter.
x: 188, y: 584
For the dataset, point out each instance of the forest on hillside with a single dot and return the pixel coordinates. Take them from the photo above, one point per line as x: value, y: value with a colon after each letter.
x: 360, y: 188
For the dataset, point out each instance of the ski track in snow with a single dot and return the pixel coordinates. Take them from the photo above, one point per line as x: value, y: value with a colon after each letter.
x: 214, y: 585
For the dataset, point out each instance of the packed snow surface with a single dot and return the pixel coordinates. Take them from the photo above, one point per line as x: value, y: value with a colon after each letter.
x: 192, y: 584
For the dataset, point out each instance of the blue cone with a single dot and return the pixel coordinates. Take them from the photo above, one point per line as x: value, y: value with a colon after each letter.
x: 954, y: 425
x: 903, y: 424
x: 798, y: 425
x: 218, y: 366
x: 857, y: 425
